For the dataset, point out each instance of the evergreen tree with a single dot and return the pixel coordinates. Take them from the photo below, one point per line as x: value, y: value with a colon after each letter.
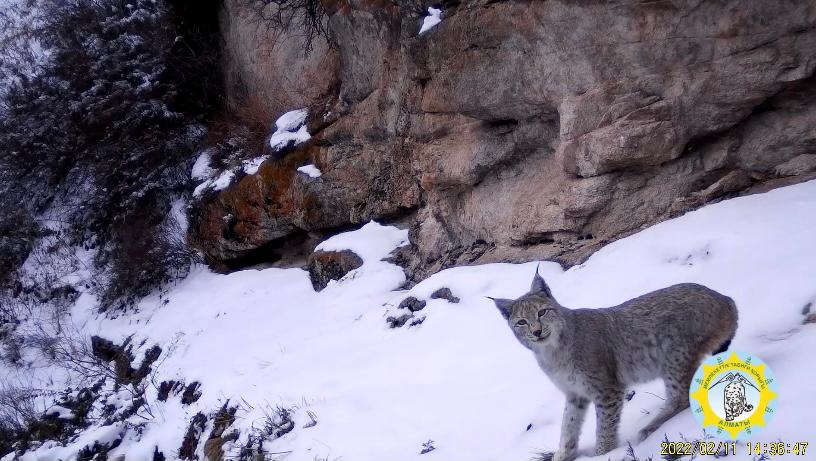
x: 103, y: 134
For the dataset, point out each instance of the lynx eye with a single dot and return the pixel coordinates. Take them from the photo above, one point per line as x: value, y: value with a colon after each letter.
x: 521, y: 322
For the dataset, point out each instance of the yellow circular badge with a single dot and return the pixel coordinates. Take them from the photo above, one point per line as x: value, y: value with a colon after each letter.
x: 733, y: 394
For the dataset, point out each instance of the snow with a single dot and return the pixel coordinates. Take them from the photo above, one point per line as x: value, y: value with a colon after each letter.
x: 251, y: 166
x: 53, y: 451
x: 291, y: 120
x: 23, y: 49
x: 201, y: 168
x: 434, y: 17
x: 203, y: 172
x: 310, y: 170
x: 60, y: 412
x: 222, y: 181
x: 291, y: 128
x: 201, y: 188
x: 262, y: 338
x: 280, y: 139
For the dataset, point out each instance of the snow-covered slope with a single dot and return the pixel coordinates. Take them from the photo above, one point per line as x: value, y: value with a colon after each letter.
x: 263, y: 338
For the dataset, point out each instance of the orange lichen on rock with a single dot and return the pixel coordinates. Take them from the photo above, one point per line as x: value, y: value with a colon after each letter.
x: 255, y: 209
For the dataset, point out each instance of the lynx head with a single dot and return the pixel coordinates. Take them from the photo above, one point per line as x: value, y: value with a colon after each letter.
x: 536, y: 317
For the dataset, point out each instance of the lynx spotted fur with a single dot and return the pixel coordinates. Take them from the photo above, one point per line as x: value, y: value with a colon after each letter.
x: 592, y: 355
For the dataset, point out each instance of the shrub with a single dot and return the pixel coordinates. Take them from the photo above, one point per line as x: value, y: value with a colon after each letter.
x: 307, y: 16
x: 102, y: 135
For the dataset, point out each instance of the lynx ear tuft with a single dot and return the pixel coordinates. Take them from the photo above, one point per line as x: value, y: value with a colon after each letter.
x: 504, y: 305
x: 539, y: 286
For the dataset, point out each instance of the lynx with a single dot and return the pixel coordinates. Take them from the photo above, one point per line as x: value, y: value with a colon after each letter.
x: 592, y: 355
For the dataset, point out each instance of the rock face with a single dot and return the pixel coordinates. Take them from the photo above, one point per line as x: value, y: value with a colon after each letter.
x: 267, y: 66
x: 518, y: 130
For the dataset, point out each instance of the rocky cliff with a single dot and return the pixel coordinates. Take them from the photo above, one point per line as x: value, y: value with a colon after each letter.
x: 517, y: 130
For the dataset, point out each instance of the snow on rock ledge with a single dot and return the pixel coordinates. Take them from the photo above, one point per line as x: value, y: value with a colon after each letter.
x: 291, y: 128
x: 372, y: 242
x: 434, y: 17
x: 251, y: 166
x: 219, y: 183
x: 310, y: 170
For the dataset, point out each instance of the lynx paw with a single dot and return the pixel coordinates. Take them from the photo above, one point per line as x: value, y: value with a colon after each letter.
x: 543, y: 456
x: 562, y: 455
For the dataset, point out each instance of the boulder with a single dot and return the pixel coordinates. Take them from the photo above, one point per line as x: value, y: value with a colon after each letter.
x: 412, y: 304
x: 398, y: 321
x: 331, y: 265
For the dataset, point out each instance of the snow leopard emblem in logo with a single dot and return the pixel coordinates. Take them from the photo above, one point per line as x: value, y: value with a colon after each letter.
x: 734, y: 402
x: 733, y: 395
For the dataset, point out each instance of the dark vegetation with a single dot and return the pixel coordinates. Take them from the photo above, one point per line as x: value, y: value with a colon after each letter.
x: 104, y: 105
x: 307, y: 16
x: 99, y: 139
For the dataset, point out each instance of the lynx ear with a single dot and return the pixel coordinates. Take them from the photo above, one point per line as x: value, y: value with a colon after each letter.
x: 504, y: 305
x: 539, y: 286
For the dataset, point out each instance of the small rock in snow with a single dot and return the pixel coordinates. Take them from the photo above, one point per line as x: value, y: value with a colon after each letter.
x: 60, y: 412
x: 446, y: 294
x: 412, y: 304
x: 396, y: 322
x: 325, y: 266
x: 191, y: 393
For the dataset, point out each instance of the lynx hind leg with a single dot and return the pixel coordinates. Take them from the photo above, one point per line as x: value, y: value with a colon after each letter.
x: 677, y: 379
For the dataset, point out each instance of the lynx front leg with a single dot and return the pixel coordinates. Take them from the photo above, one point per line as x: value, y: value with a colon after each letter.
x: 574, y: 413
x: 607, y: 413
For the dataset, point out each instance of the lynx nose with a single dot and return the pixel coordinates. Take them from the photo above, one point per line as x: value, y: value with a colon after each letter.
x: 537, y: 333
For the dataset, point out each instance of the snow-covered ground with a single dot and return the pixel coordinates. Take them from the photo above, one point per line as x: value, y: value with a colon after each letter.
x: 264, y: 338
